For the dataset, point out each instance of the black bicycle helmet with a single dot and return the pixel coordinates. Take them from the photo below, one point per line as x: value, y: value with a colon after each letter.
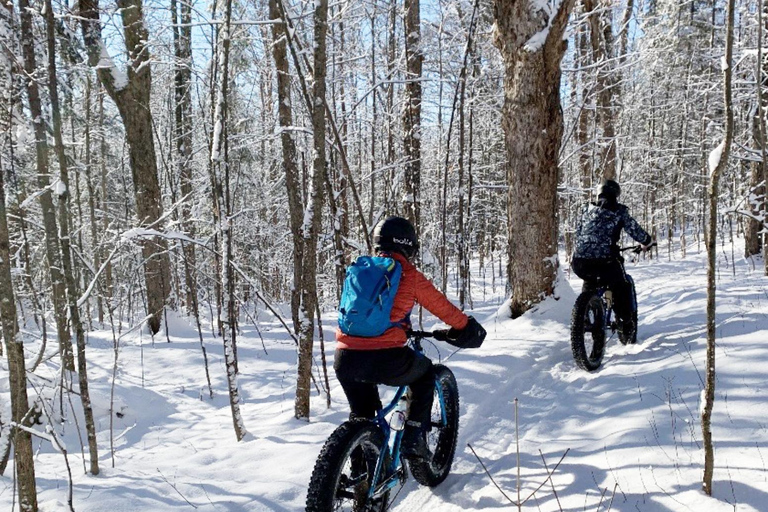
x: 396, y: 234
x: 610, y: 190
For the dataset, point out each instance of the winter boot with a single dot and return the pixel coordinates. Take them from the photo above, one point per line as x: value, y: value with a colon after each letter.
x: 414, y: 443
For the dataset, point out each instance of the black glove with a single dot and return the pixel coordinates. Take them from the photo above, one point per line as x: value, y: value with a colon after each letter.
x: 472, y: 336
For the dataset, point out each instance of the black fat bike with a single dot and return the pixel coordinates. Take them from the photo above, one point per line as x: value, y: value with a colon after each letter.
x: 360, y: 462
x: 593, y: 321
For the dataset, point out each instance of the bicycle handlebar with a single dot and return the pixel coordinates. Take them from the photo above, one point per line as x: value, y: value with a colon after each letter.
x: 439, y: 335
x: 636, y: 248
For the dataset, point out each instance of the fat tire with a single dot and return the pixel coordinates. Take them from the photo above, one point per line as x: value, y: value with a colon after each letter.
x: 432, y: 472
x: 584, y: 302
x: 323, y: 486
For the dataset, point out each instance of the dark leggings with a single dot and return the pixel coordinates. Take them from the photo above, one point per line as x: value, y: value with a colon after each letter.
x: 359, y: 372
x: 611, y: 273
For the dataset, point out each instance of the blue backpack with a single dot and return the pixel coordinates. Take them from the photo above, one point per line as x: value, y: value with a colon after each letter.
x: 368, y: 295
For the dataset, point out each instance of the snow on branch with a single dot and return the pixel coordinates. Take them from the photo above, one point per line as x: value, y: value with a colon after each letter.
x: 549, y: 8
x: 119, y: 78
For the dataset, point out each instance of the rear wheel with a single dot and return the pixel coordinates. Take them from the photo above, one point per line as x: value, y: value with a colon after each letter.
x: 588, y: 331
x: 442, y: 437
x: 345, y: 468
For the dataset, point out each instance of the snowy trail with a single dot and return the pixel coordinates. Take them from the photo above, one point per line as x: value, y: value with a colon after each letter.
x: 633, y: 424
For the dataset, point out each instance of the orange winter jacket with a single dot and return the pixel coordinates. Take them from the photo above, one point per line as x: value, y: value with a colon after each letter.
x: 414, y: 287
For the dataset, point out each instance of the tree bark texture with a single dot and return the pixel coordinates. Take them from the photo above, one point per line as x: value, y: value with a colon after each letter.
x: 72, y: 293
x: 313, y: 216
x: 714, y: 180
x: 290, y: 166
x: 132, y: 97
x: 220, y: 165
x: 52, y: 248
x: 412, y: 112
x: 601, y: 37
x: 23, y: 456
x: 183, y: 137
x: 532, y: 121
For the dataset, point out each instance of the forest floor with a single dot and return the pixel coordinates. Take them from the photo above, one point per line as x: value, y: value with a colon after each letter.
x: 632, y: 428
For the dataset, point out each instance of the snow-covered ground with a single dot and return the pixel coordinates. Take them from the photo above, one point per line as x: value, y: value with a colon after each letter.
x: 631, y: 428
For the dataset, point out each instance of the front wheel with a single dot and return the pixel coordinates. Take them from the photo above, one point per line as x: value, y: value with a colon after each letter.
x: 444, y: 432
x: 588, y: 331
x: 345, y: 469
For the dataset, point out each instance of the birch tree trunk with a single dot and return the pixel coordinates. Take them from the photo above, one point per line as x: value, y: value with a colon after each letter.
x: 412, y: 112
x: 63, y: 193
x: 52, y: 249
x: 220, y: 165
x: 312, y: 216
x: 131, y: 93
x: 532, y: 120
x: 716, y: 170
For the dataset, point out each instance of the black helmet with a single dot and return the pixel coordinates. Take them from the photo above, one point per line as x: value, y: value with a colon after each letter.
x: 396, y: 234
x: 610, y: 190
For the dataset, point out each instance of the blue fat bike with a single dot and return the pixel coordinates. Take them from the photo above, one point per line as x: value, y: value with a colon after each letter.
x: 593, y: 320
x: 360, y: 462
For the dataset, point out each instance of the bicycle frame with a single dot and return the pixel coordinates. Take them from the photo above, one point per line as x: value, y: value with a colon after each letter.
x: 395, y: 470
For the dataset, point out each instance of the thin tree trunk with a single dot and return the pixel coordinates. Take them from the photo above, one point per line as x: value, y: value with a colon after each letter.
x: 220, y: 163
x: 412, y: 113
x: 601, y: 36
x: 714, y: 180
x: 533, y: 126
x: 183, y: 137
x: 23, y: 456
x: 63, y: 193
x: 52, y: 250
x: 313, y: 214
x: 290, y: 166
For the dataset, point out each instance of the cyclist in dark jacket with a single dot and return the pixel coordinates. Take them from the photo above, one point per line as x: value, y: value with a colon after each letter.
x: 597, y: 253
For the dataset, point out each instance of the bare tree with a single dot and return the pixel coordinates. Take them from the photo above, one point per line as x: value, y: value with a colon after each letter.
x: 23, y: 456
x: 131, y: 93
x: 290, y: 166
x: 718, y: 162
x: 532, y: 46
x: 64, y: 215
x: 412, y: 112
x: 222, y: 203
x: 52, y: 249
x: 313, y: 213
x: 601, y: 37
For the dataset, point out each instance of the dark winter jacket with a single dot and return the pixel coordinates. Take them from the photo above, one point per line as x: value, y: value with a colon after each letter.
x: 414, y: 287
x: 600, y: 227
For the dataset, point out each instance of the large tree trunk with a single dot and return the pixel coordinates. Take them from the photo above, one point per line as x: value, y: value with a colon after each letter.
x: 313, y: 215
x: 412, y: 112
x: 290, y: 167
x: 52, y: 250
x: 72, y: 295
x: 131, y: 94
x: 716, y: 170
x: 23, y: 456
x: 532, y: 120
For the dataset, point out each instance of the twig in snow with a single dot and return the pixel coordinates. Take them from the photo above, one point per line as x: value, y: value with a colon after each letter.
x: 559, y: 506
x: 489, y: 476
x: 175, y: 489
